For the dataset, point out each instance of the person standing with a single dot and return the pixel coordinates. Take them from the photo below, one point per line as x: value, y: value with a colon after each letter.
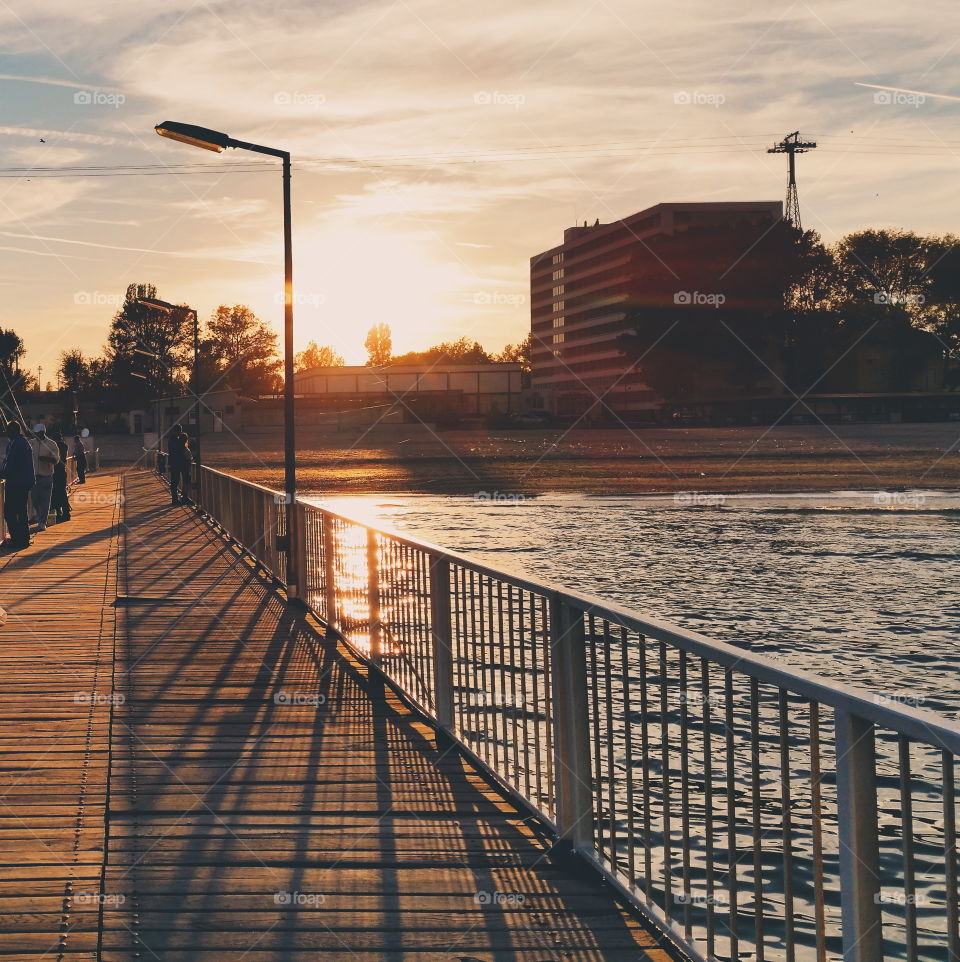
x: 47, y: 456
x: 80, y: 454
x: 19, y: 478
x: 178, y: 458
x: 59, y: 500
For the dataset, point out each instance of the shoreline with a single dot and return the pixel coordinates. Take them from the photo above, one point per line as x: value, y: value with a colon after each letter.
x: 781, y: 460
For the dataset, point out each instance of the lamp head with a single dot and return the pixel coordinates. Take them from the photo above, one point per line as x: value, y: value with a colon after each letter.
x: 195, y: 136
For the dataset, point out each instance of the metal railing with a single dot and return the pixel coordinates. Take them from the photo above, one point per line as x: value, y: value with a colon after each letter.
x: 749, y: 809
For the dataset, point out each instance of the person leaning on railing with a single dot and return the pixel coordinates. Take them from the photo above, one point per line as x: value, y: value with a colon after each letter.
x: 18, y: 476
x: 59, y: 500
x: 80, y: 453
x: 179, y: 458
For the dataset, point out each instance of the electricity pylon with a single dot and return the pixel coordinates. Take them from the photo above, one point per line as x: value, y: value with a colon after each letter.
x: 792, y: 145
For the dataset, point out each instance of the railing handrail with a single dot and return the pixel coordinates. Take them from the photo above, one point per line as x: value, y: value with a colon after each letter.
x: 916, y: 723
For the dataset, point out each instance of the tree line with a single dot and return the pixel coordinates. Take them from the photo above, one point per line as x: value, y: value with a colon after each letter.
x: 793, y: 312
x: 149, y: 353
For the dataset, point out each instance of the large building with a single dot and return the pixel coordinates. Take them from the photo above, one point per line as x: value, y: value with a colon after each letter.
x: 583, y: 292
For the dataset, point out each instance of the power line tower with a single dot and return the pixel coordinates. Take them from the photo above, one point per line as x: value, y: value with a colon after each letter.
x: 792, y: 145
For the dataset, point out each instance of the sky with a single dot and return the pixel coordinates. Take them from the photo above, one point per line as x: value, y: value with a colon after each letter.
x: 437, y: 146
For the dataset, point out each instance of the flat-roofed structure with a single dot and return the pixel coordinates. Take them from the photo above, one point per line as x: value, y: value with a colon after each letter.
x: 582, y: 292
x: 462, y: 389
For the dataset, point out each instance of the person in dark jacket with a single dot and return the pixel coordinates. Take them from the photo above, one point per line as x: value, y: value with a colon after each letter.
x: 59, y: 502
x: 178, y: 459
x: 19, y: 478
x: 80, y: 453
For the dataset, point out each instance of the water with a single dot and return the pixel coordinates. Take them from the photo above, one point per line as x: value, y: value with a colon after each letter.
x: 859, y: 586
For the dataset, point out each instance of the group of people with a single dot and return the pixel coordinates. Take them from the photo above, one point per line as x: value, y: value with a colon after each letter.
x: 36, y: 471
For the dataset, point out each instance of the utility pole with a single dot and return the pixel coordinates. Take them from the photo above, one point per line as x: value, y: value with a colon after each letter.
x: 791, y: 145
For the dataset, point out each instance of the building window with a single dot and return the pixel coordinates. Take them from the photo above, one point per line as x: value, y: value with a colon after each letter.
x: 558, y: 337
x: 558, y: 321
x: 558, y: 275
x: 558, y: 290
x: 559, y: 305
x: 558, y: 258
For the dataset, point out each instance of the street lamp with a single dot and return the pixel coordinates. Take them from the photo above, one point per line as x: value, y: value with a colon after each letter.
x: 216, y: 141
x: 167, y: 308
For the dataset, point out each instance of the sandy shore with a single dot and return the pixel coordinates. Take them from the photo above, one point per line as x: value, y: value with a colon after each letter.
x: 413, y: 459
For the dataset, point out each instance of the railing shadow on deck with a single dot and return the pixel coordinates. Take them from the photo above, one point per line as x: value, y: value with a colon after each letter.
x: 221, y: 662
x: 742, y: 805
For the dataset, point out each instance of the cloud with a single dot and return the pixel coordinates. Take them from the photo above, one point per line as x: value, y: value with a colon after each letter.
x: 51, y: 81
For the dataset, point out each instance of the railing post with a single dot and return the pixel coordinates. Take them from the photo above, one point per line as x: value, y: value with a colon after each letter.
x: 442, y: 637
x: 373, y: 597
x: 297, y: 517
x: 329, y: 572
x: 571, y: 725
x: 858, y: 833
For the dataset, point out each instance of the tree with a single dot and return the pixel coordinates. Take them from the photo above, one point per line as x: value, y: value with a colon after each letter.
x: 887, y: 267
x: 314, y: 356
x: 519, y: 353
x: 463, y: 351
x: 379, y: 345
x: 11, y: 353
x: 74, y: 372
x: 148, y: 349
x: 246, y: 349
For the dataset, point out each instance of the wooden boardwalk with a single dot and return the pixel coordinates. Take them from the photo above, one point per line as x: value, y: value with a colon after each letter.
x: 192, y: 770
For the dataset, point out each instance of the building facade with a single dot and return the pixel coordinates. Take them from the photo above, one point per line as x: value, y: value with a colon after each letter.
x: 583, y: 293
x: 452, y: 390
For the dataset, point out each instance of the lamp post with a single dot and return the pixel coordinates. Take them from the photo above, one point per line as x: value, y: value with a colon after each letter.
x: 216, y: 141
x: 168, y: 308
